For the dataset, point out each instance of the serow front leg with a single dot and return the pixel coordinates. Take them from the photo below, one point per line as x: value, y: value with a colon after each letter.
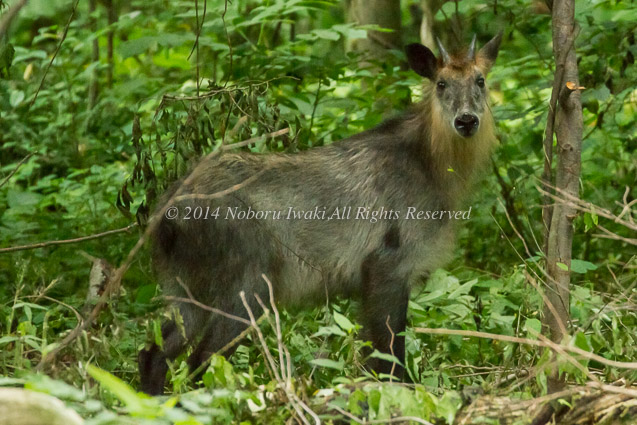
x: 385, y: 297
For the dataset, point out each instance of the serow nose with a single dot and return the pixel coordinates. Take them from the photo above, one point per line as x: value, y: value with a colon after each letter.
x: 466, y: 124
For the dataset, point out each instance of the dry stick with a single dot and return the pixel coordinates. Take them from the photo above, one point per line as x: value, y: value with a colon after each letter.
x: 584, y: 206
x: 515, y: 230
x: 391, y: 349
x: 271, y: 362
x: 57, y: 50
x: 67, y: 241
x: 193, y: 374
x: 547, y: 302
x: 266, y: 314
x: 544, y: 298
x: 627, y: 205
x: 570, y: 359
x: 550, y: 129
x: 17, y: 167
x: 613, y: 389
x: 283, y: 349
x: 192, y: 300
x: 46, y: 297
x: 279, y: 336
x: 8, y: 17
x: 113, y: 283
x: 610, y: 235
x: 527, y: 341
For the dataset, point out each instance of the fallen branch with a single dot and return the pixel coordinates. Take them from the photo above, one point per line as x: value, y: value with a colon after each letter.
x: 67, y: 241
x: 527, y: 341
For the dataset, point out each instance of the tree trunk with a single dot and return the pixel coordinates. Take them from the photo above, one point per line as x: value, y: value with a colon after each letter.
x: 569, y: 137
x: 429, y: 9
x: 385, y: 14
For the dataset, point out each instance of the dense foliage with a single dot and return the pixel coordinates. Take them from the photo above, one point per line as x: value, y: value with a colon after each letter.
x: 86, y: 145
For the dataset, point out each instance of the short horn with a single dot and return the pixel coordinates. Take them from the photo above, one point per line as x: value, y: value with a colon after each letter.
x: 471, y: 54
x: 445, y: 56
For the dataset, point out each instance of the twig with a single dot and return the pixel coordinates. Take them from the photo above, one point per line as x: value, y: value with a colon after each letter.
x: 270, y: 360
x: 67, y: 241
x: 225, y: 29
x: 222, y: 193
x: 316, y: 102
x: 285, y: 373
x: 391, y: 349
x: 206, y: 307
x: 547, y: 302
x: 78, y: 316
x: 229, y: 89
x: 204, y: 365
x: 57, y: 50
x: 17, y: 167
x: 515, y: 230
x: 584, y: 206
x: 286, y: 367
x: 610, y: 235
x: 627, y: 205
x: 527, y: 341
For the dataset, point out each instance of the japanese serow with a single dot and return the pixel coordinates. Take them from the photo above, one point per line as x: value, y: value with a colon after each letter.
x: 363, y: 237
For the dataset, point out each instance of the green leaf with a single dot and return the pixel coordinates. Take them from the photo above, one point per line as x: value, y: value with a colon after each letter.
x: 385, y: 356
x: 328, y: 331
x: 343, y: 322
x: 328, y: 363
x: 16, y: 98
x: 136, y: 47
x: 590, y: 221
x: 22, y: 200
x: 581, y: 266
x: 533, y: 327
x: 327, y: 34
x: 562, y: 266
x: 463, y: 289
x: 136, y: 403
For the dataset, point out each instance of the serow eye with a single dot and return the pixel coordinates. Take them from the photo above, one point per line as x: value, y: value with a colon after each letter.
x: 480, y: 82
x: 441, y: 85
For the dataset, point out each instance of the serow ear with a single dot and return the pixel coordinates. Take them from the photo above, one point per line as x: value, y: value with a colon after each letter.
x: 489, y: 52
x: 421, y: 60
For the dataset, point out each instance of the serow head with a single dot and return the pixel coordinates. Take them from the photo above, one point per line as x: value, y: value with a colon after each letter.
x: 459, y: 95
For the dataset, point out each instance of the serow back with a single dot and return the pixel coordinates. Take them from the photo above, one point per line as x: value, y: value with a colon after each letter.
x: 360, y: 218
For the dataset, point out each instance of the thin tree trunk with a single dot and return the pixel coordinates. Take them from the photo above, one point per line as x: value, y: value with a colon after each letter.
x: 429, y: 9
x: 95, y: 56
x: 112, y: 18
x: 385, y: 14
x: 569, y: 138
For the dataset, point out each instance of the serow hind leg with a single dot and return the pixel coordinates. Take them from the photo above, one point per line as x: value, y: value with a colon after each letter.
x: 152, y: 361
x: 220, y: 332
